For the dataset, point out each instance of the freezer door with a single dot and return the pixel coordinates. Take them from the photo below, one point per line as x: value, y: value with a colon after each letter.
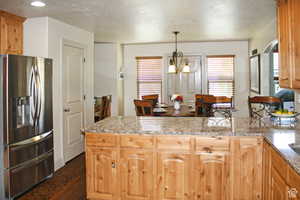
x: 28, y: 104
x: 29, y: 149
x: 23, y: 177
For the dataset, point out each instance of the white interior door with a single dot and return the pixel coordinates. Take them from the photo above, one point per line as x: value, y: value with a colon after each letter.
x: 73, y: 58
x: 187, y: 84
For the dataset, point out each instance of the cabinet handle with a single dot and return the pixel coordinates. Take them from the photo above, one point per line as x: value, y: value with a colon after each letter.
x: 292, y: 193
x: 113, y: 165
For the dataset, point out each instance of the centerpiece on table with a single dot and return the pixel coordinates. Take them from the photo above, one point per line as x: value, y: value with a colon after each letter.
x: 177, y: 100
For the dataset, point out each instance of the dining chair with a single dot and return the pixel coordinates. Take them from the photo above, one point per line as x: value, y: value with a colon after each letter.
x: 263, y: 106
x: 223, y: 106
x: 204, y: 105
x: 201, y: 96
x: 151, y: 97
x: 143, y: 107
x: 107, y: 106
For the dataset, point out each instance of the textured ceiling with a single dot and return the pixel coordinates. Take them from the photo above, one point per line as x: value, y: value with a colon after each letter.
x: 131, y: 21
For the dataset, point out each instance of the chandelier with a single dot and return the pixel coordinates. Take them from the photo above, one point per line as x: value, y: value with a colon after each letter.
x: 177, y: 62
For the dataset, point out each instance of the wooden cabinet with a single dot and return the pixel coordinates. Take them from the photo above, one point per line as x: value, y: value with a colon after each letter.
x: 139, y: 167
x: 247, y: 168
x: 174, y: 174
x: 137, y: 174
x: 281, y: 182
x: 11, y: 33
x: 211, y: 176
x: 294, y: 183
x: 101, y: 173
x: 288, y: 21
x: 278, y: 186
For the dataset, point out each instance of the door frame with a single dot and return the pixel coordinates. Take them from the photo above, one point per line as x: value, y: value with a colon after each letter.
x: 66, y: 42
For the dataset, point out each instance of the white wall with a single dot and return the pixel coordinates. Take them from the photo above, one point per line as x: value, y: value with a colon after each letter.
x: 36, y: 37
x: 237, y: 48
x: 106, y: 72
x: 35, y: 32
x: 260, y: 41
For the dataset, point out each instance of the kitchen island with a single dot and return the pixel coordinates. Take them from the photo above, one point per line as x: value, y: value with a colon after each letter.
x: 144, y: 158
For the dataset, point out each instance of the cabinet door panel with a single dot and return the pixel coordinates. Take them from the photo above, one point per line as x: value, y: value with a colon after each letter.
x: 11, y: 36
x: 136, y: 175
x: 283, y: 35
x: 211, y: 176
x: 174, y: 174
x: 294, y: 7
x: 101, y: 173
x: 279, y: 189
x: 247, y: 168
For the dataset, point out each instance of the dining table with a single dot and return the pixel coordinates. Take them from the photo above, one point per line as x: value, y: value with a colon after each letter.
x: 189, y: 111
x: 170, y: 111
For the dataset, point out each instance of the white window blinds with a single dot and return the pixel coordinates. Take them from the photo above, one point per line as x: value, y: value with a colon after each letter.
x: 220, y: 74
x: 149, y: 76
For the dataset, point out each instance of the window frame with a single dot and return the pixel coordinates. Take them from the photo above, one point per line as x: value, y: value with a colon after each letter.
x: 137, y: 74
x: 233, y: 70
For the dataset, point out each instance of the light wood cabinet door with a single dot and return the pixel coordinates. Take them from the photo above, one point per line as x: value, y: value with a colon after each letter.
x: 294, y: 7
x: 266, y: 170
x: 279, y: 188
x: 101, y: 173
x: 246, y: 166
x: 284, y: 40
x: 136, y: 175
x: 294, y: 183
x: 174, y: 176
x: 11, y: 33
x: 211, y: 176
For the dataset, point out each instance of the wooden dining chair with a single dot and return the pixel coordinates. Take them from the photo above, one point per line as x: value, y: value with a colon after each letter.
x: 151, y: 97
x: 263, y: 106
x: 223, y: 106
x: 107, y: 106
x: 198, y: 97
x: 204, y: 105
x: 143, y: 107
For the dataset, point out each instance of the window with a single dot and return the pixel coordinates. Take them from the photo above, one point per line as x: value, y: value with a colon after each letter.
x: 220, y: 75
x: 149, y: 76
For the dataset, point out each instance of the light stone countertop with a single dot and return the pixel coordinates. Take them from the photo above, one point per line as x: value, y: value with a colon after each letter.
x: 279, y: 136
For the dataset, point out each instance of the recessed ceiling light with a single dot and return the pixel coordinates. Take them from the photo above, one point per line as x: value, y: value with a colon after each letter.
x: 38, y: 4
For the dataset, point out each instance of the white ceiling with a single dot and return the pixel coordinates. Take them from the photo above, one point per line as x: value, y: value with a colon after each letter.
x: 131, y: 21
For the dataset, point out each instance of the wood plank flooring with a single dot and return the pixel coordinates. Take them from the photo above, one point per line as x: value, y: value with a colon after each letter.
x: 68, y: 183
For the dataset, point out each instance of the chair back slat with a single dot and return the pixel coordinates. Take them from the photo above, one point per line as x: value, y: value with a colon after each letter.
x: 143, y: 107
x: 151, y: 97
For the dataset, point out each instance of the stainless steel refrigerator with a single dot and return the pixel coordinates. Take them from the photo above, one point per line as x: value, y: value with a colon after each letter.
x: 26, y: 123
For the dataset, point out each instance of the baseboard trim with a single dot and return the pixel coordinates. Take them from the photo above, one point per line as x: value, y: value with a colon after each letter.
x: 58, y: 164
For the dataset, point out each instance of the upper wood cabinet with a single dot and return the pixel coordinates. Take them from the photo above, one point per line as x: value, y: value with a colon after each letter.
x: 11, y: 33
x: 288, y: 18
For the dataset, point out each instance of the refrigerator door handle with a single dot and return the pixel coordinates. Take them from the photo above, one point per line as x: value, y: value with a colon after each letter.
x: 35, y: 139
x: 39, y: 96
x: 33, y: 94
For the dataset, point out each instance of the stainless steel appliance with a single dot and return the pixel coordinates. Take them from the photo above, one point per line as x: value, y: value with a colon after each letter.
x: 26, y: 123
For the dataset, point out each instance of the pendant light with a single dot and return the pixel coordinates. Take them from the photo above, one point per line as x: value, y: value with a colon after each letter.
x: 176, y: 62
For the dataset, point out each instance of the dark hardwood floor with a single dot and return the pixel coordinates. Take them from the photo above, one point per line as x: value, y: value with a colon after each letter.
x: 68, y: 183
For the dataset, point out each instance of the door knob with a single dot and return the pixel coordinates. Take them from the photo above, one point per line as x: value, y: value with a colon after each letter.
x: 67, y: 110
